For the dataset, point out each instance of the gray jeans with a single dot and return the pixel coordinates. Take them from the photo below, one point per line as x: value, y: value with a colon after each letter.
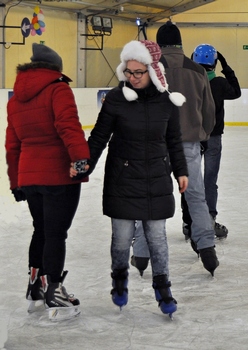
x: 123, y: 232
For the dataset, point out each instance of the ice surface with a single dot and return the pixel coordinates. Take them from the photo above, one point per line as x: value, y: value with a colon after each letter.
x: 212, y: 312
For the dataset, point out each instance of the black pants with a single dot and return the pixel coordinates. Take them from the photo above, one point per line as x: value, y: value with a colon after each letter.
x: 52, y: 209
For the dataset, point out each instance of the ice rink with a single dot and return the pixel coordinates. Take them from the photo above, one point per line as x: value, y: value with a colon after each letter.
x: 212, y: 312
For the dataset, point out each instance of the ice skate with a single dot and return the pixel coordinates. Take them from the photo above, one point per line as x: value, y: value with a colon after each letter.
x: 167, y: 304
x: 119, y: 283
x: 140, y: 263
x: 35, y: 294
x: 221, y: 231
x: 209, y: 259
x: 60, y: 304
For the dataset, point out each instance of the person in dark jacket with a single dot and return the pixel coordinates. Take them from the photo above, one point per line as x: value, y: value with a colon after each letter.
x: 223, y: 88
x: 197, y: 120
x: 141, y: 126
x: 43, y: 137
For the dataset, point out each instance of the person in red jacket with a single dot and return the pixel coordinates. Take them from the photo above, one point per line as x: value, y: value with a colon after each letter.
x: 43, y: 137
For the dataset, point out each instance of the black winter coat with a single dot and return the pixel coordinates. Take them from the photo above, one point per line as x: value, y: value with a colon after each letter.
x: 223, y: 89
x: 144, y: 145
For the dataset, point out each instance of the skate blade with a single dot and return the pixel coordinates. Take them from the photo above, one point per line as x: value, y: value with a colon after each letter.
x: 63, y: 313
x: 35, y: 305
x: 220, y: 238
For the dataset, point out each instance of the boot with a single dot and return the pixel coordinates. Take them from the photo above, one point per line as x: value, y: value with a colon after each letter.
x: 61, y: 305
x: 35, y: 293
x: 140, y: 263
x: 166, y: 302
x: 119, y: 283
x: 209, y: 259
x: 220, y: 231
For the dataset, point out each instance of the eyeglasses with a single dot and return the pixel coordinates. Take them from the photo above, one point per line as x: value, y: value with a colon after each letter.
x: 137, y: 74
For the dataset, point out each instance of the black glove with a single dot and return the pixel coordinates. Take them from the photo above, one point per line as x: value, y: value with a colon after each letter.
x: 222, y: 60
x: 19, y: 194
x: 204, y: 146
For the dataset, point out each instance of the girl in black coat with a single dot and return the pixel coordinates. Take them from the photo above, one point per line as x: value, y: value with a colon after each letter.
x: 141, y: 126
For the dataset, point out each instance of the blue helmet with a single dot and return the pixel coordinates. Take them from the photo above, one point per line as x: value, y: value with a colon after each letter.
x: 205, y: 54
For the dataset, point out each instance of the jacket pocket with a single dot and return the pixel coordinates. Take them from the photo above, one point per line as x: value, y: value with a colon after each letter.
x: 123, y: 169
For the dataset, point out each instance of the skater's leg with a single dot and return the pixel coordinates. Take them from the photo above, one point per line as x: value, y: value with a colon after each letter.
x: 212, y: 157
x: 141, y: 255
x: 122, y: 236
x: 157, y: 242
x: 140, y: 246
x: 35, y: 204
x: 202, y: 231
x: 60, y: 205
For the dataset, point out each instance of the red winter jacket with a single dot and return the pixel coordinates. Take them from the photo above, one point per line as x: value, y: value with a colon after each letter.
x: 44, y: 134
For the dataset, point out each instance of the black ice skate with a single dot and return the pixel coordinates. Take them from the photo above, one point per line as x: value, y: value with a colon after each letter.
x: 209, y: 259
x: 119, y: 283
x: 167, y: 304
x: 35, y: 294
x: 220, y: 231
x: 60, y: 304
x: 140, y: 263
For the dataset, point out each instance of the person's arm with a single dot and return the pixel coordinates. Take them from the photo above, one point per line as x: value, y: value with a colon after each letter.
x: 13, y: 150
x: 67, y: 124
x: 231, y: 88
x: 100, y: 135
x: 175, y: 147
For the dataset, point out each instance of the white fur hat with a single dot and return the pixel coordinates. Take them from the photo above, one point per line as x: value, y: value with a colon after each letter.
x: 148, y: 53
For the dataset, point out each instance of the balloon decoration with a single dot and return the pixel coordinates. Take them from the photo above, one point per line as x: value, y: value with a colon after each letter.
x: 37, y: 24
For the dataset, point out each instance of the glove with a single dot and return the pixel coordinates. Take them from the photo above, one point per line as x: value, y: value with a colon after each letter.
x: 222, y: 60
x: 204, y: 146
x: 19, y: 194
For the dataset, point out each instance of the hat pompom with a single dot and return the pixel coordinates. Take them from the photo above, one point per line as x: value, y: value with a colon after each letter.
x: 177, y: 98
x: 129, y: 94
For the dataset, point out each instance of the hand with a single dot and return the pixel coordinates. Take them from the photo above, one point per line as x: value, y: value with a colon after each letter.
x: 221, y: 59
x: 183, y: 183
x: 19, y: 194
x: 75, y: 175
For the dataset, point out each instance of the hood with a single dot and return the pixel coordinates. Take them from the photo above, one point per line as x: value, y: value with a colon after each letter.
x: 32, y: 78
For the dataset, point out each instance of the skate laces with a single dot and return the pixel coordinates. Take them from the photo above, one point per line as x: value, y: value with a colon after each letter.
x: 68, y: 296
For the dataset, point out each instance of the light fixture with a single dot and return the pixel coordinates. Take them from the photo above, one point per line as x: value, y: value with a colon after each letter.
x: 107, y: 25
x: 138, y: 21
x: 97, y: 24
x: 102, y: 25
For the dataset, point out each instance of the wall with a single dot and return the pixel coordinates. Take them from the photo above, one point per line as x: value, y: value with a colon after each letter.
x: 61, y: 35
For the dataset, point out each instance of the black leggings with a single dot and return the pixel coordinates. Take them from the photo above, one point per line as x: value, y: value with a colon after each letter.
x: 52, y: 209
